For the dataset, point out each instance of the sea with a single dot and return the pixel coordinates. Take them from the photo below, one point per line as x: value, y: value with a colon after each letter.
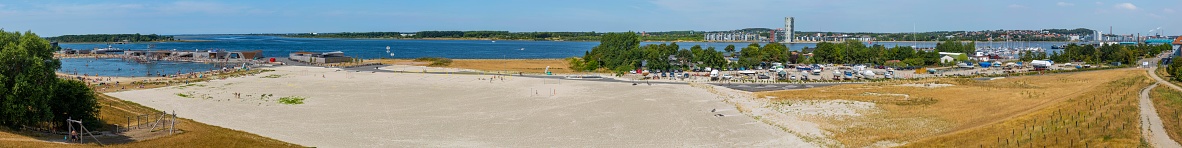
x: 275, y: 46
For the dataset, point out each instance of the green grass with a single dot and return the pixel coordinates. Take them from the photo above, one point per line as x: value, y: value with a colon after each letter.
x: 273, y: 76
x: 184, y: 95
x: 292, y: 100
x: 435, y: 61
x: 1168, y: 103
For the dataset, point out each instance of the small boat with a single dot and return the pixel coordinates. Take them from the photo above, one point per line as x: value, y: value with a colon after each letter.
x: 522, y: 49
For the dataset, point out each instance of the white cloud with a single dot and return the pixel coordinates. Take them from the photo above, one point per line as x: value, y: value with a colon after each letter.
x: 1065, y: 4
x: 1016, y: 6
x: 1168, y: 10
x: 1154, y: 15
x: 1099, y: 3
x: 1127, y: 6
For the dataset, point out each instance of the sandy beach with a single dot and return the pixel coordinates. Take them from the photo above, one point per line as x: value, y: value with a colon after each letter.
x: 365, y: 109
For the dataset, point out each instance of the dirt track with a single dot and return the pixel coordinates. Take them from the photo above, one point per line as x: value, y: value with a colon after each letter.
x: 1151, y: 126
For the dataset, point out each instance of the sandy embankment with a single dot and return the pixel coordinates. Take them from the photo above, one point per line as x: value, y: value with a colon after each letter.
x: 364, y: 109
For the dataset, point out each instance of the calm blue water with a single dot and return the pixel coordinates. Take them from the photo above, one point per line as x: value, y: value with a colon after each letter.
x: 458, y: 49
x: 118, y: 67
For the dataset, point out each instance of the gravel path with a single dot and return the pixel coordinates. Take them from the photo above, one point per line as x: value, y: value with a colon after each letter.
x: 1151, y: 126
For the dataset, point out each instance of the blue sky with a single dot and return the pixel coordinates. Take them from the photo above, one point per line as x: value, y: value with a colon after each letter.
x: 57, y: 17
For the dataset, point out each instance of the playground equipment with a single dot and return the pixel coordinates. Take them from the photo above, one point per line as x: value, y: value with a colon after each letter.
x: 70, y: 123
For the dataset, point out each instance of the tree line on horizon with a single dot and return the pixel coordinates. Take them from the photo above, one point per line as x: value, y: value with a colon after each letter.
x: 621, y: 52
x: 1105, y: 54
x: 502, y: 35
x: 31, y: 94
x: 111, y: 38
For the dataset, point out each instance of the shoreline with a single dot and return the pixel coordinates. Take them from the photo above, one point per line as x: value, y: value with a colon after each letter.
x: 136, y: 42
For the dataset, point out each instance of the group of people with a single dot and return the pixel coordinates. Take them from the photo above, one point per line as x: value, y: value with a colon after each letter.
x: 494, y: 77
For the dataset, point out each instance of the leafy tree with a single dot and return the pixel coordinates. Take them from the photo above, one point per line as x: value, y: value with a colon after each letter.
x: 1175, y: 69
x: 619, y: 52
x: 750, y: 56
x: 714, y: 58
x: 826, y: 53
x: 28, y: 69
x: 73, y: 100
x: 30, y: 93
x: 962, y: 57
x: 576, y: 63
x: 774, y: 52
x: 730, y: 48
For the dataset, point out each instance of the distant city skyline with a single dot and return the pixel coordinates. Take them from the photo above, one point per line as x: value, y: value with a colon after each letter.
x: 60, y: 17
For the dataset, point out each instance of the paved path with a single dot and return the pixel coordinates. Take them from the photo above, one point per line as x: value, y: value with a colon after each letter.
x: 1151, y: 126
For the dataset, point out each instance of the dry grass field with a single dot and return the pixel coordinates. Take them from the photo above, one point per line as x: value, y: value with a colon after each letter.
x: 511, y: 65
x: 195, y: 134
x: 1168, y: 103
x: 1060, y: 110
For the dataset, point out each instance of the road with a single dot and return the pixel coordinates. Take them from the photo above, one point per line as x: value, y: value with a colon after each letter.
x: 1151, y: 125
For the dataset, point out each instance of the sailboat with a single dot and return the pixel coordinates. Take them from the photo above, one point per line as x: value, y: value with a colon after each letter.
x: 522, y: 49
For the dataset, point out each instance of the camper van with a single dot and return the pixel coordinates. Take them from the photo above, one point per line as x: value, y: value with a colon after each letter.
x: 714, y: 75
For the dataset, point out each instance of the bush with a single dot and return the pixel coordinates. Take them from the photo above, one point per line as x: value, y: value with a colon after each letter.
x: 273, y: 76
x: 435, y: 61
x: 291, y: 100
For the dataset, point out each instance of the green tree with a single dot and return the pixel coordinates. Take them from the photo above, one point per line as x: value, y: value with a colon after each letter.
x: 30, y: 93
x: 750, y: 56
x: 576, y: 63
x: 616, y: 51
x: 962, y: 57
x: 826, y: 53
x: 774, y: 52
x: 73, y: 100
x: 730, y: 48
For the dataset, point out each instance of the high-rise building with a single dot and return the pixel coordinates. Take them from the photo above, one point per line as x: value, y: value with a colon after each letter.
x: 788, y: 31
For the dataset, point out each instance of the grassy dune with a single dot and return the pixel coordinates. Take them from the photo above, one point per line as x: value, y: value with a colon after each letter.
x: 1039, y: 110
x: 1168, y: 103
x: 195, y: 134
